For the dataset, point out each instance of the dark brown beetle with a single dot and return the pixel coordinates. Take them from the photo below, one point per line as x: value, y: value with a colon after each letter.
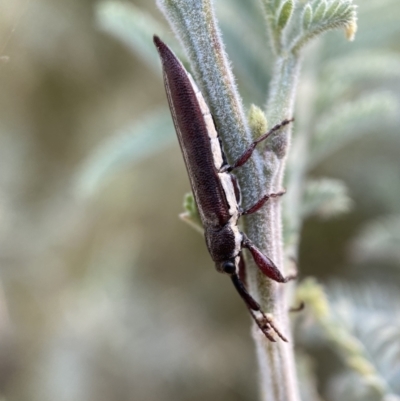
x: 215, y: 189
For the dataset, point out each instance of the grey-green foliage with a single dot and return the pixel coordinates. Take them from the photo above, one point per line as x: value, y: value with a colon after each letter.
x: 128, y: 146
x: 362, y: 324
x: 354, y: 95
x: 378, y: 241
x: 350, y: 121
x: 371, y: 313
x: 357, y: 95
x: 314, y: 18
x: 354, y: 72
x: 321, y: 16
x: 348, y: 103
x: 326, y: 198
x: 134, y: 27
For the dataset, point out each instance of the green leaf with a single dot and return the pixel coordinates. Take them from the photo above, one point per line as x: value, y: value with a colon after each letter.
x: 342, y: 9
x: 307, y: 16
x: 127, y: 147
x: 272, y: 10
x: 285, y: 14
x: 326, y: 16
x: 271, y: 7
x: 191, y: 214
x: 332, y: 8
x: 319, y: 12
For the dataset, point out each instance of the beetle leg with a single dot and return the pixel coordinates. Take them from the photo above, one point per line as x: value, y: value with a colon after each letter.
x: 247, y: 298
x: 265, y: 264
x: 264, y: 322
x: 242, y: 270
x: 249, y: 151
x: 258, y: 205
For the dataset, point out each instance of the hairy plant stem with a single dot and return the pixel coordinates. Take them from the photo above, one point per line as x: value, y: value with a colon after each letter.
x: 276, y: 360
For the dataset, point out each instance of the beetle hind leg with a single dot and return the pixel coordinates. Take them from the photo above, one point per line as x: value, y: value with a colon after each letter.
x: 265, y: 264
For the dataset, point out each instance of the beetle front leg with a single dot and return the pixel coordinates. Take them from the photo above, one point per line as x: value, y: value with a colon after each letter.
x: 264, y: 263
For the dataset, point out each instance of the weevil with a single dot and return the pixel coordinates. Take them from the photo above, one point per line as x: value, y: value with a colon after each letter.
x: 215, y: 188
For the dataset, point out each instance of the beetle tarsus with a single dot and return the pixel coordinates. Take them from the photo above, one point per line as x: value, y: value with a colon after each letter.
x: 263, y: 325
x: 267, y: 326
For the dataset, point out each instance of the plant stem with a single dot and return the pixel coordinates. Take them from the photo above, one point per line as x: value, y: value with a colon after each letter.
x: 276, y: 360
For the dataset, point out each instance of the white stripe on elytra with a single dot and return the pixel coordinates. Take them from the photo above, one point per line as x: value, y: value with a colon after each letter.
x: 216, y: 152
x: 229, y: 189
x: 227, y: 185
x: 193, y: 83
x: 212, y: 132
x: 238, y: 241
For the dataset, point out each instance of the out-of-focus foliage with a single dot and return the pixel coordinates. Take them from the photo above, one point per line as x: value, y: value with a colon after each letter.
x: 306, y: 376
x: 111, y: 297
x: 325, y: 198
x: 133, y: 144
x: 379, y: 241
x: 372, y: 314
x: 349, y: 121
x: 134, y: 27
x: 362, y: 323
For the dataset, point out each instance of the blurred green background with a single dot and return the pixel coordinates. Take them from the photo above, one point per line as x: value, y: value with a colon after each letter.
x: 105, y: 294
